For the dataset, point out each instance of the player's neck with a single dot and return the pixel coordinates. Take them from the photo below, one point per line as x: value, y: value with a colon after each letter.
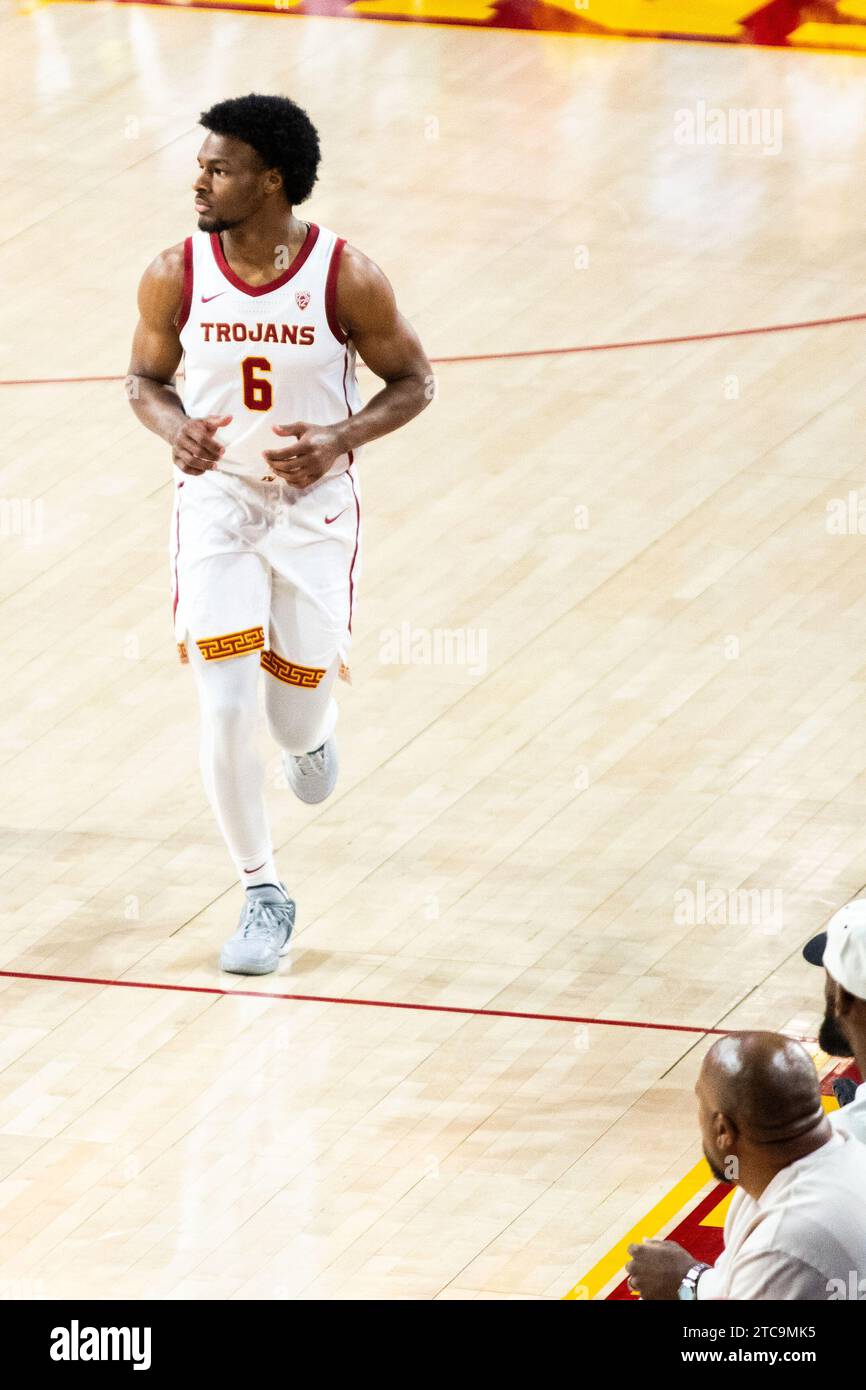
x: 256, y: 244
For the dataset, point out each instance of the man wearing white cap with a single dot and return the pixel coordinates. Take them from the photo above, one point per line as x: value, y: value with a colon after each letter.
x: 841, y: 949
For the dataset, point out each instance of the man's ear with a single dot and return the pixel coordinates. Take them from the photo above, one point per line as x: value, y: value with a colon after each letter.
x: 725, y: 1132
x: 273, y: 181
x: 726, y: 1138
x: 843, y: 1003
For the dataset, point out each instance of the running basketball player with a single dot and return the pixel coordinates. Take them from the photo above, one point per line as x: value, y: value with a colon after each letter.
x: 268, y: 313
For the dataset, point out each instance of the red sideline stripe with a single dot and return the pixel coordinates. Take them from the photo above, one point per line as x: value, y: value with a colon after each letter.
x: 703, y: 1242
x: 530, y: 352
x: 58, y: 380
x: 655, y: 342
x: 369, y: 1003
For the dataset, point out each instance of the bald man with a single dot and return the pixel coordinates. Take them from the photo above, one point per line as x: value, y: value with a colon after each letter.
x: 796, y: 1228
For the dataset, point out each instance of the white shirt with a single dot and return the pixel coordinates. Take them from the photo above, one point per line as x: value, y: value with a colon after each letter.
x: 853, y: 1116
x: 805, y: 1232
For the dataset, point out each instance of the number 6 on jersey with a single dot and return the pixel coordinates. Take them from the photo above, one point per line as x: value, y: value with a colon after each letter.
x: 258, y: 392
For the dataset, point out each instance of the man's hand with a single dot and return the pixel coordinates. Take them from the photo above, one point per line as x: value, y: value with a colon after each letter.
x: 657, y: 1268
x: 194, y: 449
x: 304, y: 462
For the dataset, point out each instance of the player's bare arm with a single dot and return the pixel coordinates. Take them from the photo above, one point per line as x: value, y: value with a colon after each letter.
x: 388, y: 344
x: 156, y: 354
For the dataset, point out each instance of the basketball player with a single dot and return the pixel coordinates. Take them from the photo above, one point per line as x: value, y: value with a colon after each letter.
x: 268, y: 312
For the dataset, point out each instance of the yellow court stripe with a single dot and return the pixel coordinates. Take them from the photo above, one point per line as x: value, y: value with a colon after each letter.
x: 719, y: 1213
x: 672, y: 1203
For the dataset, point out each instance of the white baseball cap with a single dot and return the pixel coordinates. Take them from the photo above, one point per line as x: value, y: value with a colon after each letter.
x: 842, y: 947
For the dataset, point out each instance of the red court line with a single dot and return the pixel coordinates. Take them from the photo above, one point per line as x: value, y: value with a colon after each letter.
x: 364, y: 1003
x: 533, y: 352
x: 656, y: 342
x: 59, y: 380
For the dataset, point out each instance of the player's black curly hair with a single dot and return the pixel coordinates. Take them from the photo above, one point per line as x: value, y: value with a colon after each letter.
x: 278, y: 130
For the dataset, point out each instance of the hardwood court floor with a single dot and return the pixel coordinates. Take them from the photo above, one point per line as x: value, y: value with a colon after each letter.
x: 670, y: 700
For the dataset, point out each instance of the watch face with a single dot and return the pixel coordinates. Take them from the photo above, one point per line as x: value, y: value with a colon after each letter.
x: 688, y: 1289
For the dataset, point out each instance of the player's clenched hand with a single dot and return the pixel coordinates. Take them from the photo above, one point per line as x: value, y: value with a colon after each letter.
x: 311, y: 454
x: 194, y: 449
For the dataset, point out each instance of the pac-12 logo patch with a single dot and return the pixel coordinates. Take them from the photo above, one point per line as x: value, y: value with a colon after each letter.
x: 302, y: 298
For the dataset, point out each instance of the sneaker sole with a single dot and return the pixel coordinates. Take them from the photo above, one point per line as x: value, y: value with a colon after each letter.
x: 246, y: 969
x: 312, y: 800
x: 254, y: 969
x: 259, y: 969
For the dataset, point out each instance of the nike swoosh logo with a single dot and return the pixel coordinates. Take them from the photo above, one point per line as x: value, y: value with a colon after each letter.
x: 329, y: 519
x: 206, y: 298
x: 255, y: 871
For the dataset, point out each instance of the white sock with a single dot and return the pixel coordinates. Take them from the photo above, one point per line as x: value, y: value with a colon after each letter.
x: 258, y: 869
x: 231, y: 767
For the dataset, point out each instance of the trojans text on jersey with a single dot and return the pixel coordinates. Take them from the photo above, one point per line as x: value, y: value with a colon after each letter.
x: 302, y: 334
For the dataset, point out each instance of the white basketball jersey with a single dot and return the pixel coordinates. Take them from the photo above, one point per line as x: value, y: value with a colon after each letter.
x: 265, y: 354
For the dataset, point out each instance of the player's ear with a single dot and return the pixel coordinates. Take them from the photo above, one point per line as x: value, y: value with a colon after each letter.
x: 273, y: 181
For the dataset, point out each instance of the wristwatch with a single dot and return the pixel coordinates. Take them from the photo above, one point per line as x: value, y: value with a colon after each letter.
x: 688, y: 1289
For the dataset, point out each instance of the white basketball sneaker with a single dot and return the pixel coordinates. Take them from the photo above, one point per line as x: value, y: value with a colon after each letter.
x: 263, y: 932
x: 313, y: 776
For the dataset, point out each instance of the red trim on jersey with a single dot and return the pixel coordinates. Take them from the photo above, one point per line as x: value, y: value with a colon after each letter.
x: 331, y: 291
x: 239, y: 284
x: 176, y: 555
x: 186, y: 302
x: 355, y: 552
x: 346, y: 398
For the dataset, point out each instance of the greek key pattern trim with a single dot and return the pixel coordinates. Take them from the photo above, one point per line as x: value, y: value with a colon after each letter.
x: 231, y: 644
x: 307, y: 677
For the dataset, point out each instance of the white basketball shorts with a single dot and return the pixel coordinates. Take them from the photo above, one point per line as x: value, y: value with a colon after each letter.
x: 261, y: 566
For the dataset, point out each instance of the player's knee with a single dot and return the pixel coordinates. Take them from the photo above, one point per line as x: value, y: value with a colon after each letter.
x: 231, y: 712
x: 297, y: 730
x: 299, y: 706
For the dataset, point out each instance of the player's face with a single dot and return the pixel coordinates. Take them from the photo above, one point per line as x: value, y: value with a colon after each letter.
x: 231, y: 184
